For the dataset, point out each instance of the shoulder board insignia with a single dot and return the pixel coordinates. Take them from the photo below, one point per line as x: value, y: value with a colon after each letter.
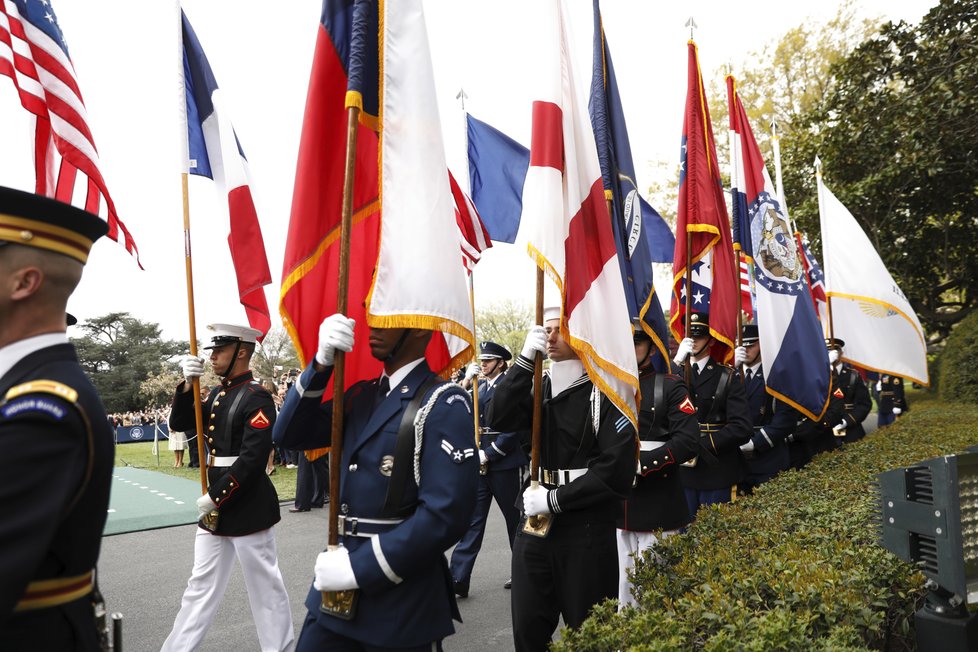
x: 44, y: 387
x: 687, y: 406
x: 838, y: 393
x: 259, y: 420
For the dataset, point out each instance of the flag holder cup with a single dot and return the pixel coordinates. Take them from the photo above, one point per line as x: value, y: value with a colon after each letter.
x: 339, y: 604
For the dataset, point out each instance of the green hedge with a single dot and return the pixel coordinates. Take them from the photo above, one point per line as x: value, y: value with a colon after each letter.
x: 959, y: 362
x: 794, y: 567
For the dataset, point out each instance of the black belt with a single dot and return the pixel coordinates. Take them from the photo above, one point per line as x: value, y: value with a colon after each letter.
x: 353, y: 526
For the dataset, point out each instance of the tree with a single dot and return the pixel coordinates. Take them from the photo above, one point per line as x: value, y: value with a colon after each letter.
x: 275, y: 356
x: 505, y: 322
x: 898, y: 135
x: 120, y: 352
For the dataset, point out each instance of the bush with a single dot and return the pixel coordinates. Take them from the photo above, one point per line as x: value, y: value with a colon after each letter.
x: 796, y: 566
x: 959, y: 362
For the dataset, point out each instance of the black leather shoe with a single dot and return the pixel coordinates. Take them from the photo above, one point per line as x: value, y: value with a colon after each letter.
x: 462, y: 589
x: 508, y: 584
x: 298, y: 509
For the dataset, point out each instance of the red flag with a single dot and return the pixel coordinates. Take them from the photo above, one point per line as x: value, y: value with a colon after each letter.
x: 702, y: 217
x: 311, y: 265
x: 33, y: 53
x: 473, y: 237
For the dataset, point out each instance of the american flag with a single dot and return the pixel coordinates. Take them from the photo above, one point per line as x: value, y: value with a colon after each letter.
x: 816, y: 278
x: 472, y: 234
x: 34, y: 54
x: 746, y: 304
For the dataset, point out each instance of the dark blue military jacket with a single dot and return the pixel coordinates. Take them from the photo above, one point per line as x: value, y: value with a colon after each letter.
x: 504, y: 449
x: 770, y: 455
x: 238, y: 419
x: 57, y: 469
x: 857, y: 402
x: 406, y: 597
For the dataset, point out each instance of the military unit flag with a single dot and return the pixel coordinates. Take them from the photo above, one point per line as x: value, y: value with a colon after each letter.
x: 34, y: 54
x: 634, y: 222
x: 796, y: 366
x: 869, y: 311
x: 214, y: 151
x: 570, y: 231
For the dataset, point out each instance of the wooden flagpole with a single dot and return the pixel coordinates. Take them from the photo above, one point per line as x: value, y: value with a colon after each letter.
x: 537, y: 525
x: 188, y: 261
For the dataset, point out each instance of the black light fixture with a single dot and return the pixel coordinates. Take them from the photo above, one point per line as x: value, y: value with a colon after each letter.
x: 929, y: 517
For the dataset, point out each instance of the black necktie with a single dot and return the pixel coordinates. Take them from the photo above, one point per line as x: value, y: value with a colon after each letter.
x: 749, y: 373
x: 383, y: 388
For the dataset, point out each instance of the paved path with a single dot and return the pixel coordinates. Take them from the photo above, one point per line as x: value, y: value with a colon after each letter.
x: 143, y: 574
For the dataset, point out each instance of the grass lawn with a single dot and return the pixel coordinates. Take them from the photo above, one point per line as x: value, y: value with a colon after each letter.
x: 140, y: 455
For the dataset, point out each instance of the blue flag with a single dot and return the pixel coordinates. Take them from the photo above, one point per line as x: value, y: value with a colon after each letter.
x: 639, y: 229
x: 497, y: 169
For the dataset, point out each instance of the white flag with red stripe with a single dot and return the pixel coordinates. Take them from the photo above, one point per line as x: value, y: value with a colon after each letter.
x: 472, y: 234
x: 34, y: 54
x: 568, y: 226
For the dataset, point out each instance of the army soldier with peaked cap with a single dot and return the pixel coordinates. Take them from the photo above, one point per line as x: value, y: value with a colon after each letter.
x: 668, y: 436
x: 501, y: 455
x: 58, y: 455
x: 854, y: 391
x: 238, y: 419
x: 721, y: 409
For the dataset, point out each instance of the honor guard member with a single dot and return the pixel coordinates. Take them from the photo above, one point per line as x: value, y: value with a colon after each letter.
x: 809, y: 437
x: 407, y: 490
x: 501, y: 459
x: 721, y: 410
x: 241, y: 505
x: 587, y: 463
x: 766, y: 452
x: 668, y: 436
x: 892, y: 401
x: 58, y: 446
x: 856, y: 395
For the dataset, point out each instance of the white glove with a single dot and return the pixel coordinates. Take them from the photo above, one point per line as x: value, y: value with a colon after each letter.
x: 205, y: 505
x: 334, y: 572
x: 192, y: 367
x: 879, y: 386
x: 536, y: 342
x: 472, y: 371
x: 897, y: 411
x: 335, y: 334
x: 535, y: 501
x: 685, y: 348
x: 840, y: 429
x: 833, y: 356
x: 748, y: 447
x: 483, y: 458
x: 740, y: 356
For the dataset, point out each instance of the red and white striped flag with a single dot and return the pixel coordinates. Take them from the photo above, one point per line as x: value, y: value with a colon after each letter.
x: 570, y: 231
x: 34, y: 54
x: 746, y: 304
x: 472, y: 234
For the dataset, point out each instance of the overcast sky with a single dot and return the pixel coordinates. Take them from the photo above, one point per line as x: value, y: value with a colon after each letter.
x: 126, y: 62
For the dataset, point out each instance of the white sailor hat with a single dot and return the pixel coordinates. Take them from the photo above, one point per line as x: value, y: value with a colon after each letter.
x: 224, y: 334
x: 551, y: 312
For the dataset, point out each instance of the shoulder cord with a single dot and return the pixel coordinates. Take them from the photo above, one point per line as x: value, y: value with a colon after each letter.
x: 419, y: 421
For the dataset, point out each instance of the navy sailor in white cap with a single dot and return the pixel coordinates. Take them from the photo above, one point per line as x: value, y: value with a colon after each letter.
x: 238, y: 419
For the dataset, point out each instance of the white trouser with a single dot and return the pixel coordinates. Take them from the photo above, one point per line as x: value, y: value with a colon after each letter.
x: 213, y: 560
x: 630, y: 545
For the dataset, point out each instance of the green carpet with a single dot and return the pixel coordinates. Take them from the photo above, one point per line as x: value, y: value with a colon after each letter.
x: 145, y: 500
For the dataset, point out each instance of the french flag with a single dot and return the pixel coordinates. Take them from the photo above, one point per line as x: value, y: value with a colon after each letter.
x: 214, y: 152
x: 569, y: 230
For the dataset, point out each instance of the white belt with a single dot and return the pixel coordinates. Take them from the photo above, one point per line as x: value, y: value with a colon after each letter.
x: 650, y: 445
x: 224, y: 461
x: 560, y: 477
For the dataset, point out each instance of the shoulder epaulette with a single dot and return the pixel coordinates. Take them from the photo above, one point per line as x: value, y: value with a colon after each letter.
x: 44, y: 387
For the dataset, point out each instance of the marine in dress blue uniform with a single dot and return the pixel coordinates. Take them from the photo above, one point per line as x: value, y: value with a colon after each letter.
x: 668, y: 436
x: 854, y: 391
x: 395, y: 560
x: 238, y: 418
x: 721, y: 410
x: 58, y: 446
x: 892, y: 400
x: 503, y: 459
x: 587, y: 463
x: 766, y: 453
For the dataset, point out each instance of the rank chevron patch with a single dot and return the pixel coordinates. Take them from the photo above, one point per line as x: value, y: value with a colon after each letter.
x: 457, y: 455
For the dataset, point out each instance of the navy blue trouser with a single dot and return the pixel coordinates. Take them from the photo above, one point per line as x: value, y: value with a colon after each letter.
x: 504, y: 486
